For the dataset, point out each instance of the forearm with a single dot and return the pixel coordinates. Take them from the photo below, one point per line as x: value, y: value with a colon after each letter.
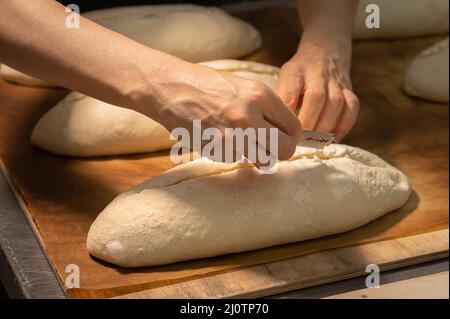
x: 327, y: 22
x: 90, y: 59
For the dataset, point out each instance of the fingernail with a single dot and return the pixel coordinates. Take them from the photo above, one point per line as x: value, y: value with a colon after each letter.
x: 337, y: 137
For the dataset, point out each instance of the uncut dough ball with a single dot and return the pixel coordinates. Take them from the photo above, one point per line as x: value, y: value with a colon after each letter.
x: 427, y: 75
x: 80, y: 125
x: 261, y: 72
x: 190, y: 32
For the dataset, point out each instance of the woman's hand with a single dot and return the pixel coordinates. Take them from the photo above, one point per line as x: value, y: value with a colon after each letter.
x: 188, y: 92
x: 317, y: 80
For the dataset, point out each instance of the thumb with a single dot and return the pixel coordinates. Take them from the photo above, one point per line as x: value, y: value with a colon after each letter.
x: 290, y: 85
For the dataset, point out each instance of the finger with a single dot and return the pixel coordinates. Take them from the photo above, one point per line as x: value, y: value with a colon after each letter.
x: 290, y: 86
x: 313, y: 103
x: 266, y: 146
x: 278, y: 115
x: 299, y: 102
x: 332, y: 110
x: 240, y: 142
x: 285, y: 144
x: 348, y: 116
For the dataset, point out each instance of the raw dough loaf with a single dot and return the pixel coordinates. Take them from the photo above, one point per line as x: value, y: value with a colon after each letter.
x: 202, y: 208
x: 80, y: 125
x: 190, y: 32
x: 261, y: 72
x: 83, y: 126
x: 427, y: 75
x: 403, y: 19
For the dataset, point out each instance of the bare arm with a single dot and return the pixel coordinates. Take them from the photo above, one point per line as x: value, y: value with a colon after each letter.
x: 317, y: 78
x: 113, y: 68
x: 91, y: 59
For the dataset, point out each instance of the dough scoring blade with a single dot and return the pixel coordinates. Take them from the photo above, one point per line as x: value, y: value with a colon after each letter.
x: 315, y: 139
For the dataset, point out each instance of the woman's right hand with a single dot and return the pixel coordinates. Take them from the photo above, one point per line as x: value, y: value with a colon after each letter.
x: 185, y: 92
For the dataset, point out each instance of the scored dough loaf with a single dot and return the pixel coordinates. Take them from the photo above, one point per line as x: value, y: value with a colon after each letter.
x: 427, y: 75
x: 203, y: 208
x: 403, y: 19
x: 190, y: 32
x: 83, y: 126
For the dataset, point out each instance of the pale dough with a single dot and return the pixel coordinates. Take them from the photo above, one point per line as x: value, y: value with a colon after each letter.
x: 17, y: 77
x: 427, y: 75
x: 403, y: 19
x: 261, y: 72
x: 83, y: 126
x: 190, y: 32
x: 203, y: 208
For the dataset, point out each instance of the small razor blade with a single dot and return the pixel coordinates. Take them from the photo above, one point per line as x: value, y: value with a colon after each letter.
x: 315, y: 139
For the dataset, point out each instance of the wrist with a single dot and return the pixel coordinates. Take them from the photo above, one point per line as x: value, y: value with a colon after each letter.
x: 147, y: 91
x: 338, y: 49
x: 327, y: 40
x: 324, y: 49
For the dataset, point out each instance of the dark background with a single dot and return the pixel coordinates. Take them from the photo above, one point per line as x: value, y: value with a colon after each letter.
x: 86, y: 5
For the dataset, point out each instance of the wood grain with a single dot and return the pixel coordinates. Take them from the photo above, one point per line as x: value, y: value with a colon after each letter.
x: 313, y: 269
x: 357, y: 283
x: 64, y: 195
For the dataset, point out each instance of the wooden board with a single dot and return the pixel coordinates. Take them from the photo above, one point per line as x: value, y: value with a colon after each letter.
x: 62, y: 196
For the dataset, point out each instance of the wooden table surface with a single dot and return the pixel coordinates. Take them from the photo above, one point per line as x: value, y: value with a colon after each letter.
x: 26, y: 273
x: 433, y: 286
